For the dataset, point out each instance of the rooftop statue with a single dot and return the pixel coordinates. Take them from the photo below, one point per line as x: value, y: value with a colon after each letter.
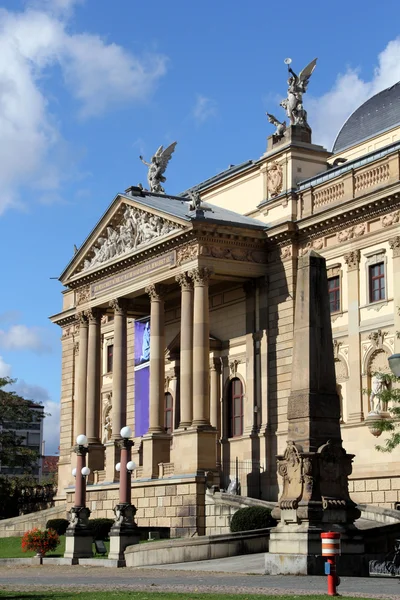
x: 297, y: 86
x: 280, y: 127
x: 157, y: 167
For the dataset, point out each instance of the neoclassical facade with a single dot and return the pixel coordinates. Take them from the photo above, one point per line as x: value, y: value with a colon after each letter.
x: 177, y: 320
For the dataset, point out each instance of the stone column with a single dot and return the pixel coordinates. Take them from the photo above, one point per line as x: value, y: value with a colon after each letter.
x: 119, y: 367
x: 93, y: 377
x: 215, y: 392
x: 157, y: 357
x: 251, y: 380
x: 80, y: 400
x: 394, y: 243
x: 352, y: 260
x: 201, y: 348
x: 186, y: 358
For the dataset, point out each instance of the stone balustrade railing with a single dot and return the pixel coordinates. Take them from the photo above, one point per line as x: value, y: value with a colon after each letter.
x: 347, y: 182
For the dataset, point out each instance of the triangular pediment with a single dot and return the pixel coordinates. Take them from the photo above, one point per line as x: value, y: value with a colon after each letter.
x: 128, y: 227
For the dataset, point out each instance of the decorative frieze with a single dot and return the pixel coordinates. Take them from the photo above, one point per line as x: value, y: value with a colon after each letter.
x: 391, y: 218
x: 82, y: 295
x: 187, y: 253
x: 234, y: 253
x: 352, y: 260
x: 136, y: 229
x: 352, y: 232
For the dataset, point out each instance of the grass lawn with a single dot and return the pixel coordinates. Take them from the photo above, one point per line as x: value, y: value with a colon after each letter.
x: 11, y: 548
x: 108, y: 595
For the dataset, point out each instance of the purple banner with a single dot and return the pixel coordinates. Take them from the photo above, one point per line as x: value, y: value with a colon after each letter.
x: 142, y: 376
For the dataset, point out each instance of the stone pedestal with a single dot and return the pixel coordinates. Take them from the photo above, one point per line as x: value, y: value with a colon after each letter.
x: 156, y: 450
x: 123, y: 533
x: 78, y: 537
x: 195, y: 450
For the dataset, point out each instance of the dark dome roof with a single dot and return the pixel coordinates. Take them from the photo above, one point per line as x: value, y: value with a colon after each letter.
x: 379, y: 113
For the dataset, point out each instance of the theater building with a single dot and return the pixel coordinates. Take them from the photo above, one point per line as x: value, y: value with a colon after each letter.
x: 177, y: 319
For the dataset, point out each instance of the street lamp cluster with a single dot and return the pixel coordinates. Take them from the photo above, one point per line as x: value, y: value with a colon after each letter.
x: 124, y: 529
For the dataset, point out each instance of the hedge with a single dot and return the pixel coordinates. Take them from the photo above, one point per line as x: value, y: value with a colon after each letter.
x: 59, y: 525
x: 252, y: 517
x: 100, y: 528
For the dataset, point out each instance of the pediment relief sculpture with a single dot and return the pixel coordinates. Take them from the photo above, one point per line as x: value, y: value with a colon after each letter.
x: 136, y: 229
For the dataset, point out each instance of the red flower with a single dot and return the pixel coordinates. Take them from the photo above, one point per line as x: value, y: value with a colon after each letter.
x: 38, y: 540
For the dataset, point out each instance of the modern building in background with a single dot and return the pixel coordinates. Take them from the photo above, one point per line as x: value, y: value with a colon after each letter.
x: 178, y: 313
x: 32, y: 434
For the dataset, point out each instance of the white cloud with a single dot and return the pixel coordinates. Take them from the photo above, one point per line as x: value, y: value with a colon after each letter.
x: 99, y: 75
x: 5, y: 369
x: 328, y: 113
x: 21, y: 337
x: 204, y: 109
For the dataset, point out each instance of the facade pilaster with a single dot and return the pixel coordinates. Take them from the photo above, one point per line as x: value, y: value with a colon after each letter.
x: 201, y: 348
x: 186, y: 353
x: 80, y: 400
x: 352, y: 260
x: 251, y: 381
x: 215, y: 393
x: 93, y: 377
x: 394, y: 244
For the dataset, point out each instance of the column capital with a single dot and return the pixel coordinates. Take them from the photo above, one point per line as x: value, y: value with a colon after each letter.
x: 352, y: 260
x: 184, y: 281
x: 119, y: 305
x: 215, y: 364
x: 156, y: 291
x: 93, y: 315
x: 81, y: 319
x: 200, y: 275
x: 394, y: 244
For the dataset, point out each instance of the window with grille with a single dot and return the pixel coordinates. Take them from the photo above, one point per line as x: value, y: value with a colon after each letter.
x: 110, y: 352
x: 168, y: 413
x: 334, y: 293
x: 377, y: 282
x: 235, y: 408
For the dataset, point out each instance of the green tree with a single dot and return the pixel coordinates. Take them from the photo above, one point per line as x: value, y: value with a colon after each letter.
x: 16, y: 414
x: 389, y: 399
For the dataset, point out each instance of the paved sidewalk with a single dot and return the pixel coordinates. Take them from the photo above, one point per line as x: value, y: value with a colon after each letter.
x: 239, y: 574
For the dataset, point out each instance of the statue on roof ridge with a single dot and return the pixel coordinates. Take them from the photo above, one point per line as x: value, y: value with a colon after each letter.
x: 297, y: 86
x: 280, y: 127
x: 157, y: 167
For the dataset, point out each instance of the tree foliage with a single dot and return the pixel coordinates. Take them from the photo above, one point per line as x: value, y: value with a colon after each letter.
x: 389, y: 397
x: 15, y: 414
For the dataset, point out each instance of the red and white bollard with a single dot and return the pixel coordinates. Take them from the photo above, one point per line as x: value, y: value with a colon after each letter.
x: 330, y: 550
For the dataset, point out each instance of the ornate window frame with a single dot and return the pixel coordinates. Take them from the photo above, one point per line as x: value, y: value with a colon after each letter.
x: 372, y: 259
x: 336, y: 271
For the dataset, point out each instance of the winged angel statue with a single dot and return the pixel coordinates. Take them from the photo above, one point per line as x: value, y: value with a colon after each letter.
x: 280, y: 127
x: 293, y: 104
x: 157, y: 167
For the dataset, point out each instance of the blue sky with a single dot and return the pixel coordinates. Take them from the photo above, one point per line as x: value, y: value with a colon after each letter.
x: 87, y: 86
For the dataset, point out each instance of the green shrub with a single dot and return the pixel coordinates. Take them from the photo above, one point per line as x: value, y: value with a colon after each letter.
x: 100, y: 528
x: 59, y: 525
x: 252, y: 517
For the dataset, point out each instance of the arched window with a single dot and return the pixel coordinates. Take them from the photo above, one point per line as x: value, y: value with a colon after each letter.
x: 235, y: 408
x: 168, y: 413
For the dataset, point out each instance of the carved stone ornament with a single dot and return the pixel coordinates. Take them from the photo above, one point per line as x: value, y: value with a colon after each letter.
x: 234, y: 253
x: 184, y: 281
x: 317, y: 244
x: 336, y: 349
x: 391, y: 219
x: 274, y: 179
x: 200, y: 276
x: 289, y: 468
x: 286, y: 252
x: 93, y: 315
x: 186, y: 253
x: 352, y: 260
x: 137, y: 228
x: 119, y: 305
x: 352, y: 232
x: 233, y: 366
x: 156, y: 291
x: 377, y: 338
x: 394, y: 244
x: 82, y: 319
x: 335, y: 467
x: 83, y: 295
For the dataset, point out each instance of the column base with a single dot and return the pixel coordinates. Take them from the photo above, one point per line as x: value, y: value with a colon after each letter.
x: 112, y: 456
x: 95, y: 458
x: 195, y: 449
x: 156, y: 450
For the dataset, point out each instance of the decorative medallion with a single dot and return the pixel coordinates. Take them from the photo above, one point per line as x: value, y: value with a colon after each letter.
x: 274, y: 179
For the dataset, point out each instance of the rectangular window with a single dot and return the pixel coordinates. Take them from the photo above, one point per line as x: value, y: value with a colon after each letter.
x: 110, y: 350
x: 377, y: 282
x: 334, y: 293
